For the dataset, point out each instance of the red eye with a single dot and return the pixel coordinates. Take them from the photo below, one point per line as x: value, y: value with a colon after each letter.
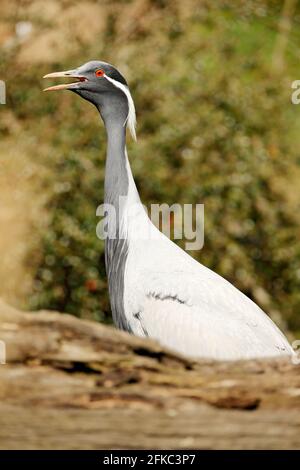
x: 99, y: 73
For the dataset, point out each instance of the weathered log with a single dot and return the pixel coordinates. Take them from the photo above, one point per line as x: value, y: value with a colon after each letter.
x: 71, y: 383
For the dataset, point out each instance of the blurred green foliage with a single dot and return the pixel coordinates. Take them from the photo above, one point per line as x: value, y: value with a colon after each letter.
x: 215, y: 126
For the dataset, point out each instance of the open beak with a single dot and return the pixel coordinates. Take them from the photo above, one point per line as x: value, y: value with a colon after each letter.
x: 66, y: 74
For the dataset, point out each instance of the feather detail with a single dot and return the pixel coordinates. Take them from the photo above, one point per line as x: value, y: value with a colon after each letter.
x: 131, y: 117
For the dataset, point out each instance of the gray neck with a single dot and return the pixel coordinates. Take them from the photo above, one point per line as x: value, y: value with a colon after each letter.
x: 116, y: 177
x: 116, y: 185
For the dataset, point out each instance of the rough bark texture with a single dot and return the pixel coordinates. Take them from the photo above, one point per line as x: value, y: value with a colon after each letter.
x: 74, y: 384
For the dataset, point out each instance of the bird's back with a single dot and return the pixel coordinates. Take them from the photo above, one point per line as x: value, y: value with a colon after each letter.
x: 171, y: 297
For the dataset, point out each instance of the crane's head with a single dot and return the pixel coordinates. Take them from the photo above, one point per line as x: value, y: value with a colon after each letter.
x: 104, y: 86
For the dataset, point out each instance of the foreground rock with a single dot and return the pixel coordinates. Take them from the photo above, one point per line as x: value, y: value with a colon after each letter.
x: 74, y: 384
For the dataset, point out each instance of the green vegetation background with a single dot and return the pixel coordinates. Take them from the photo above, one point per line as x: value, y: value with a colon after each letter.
x: 215, y: 126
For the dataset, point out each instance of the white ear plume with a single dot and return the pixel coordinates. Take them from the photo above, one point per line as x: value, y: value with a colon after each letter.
x: 131, y: 118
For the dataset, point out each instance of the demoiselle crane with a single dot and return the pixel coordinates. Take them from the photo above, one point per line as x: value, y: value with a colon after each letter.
x: 156, y: 289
